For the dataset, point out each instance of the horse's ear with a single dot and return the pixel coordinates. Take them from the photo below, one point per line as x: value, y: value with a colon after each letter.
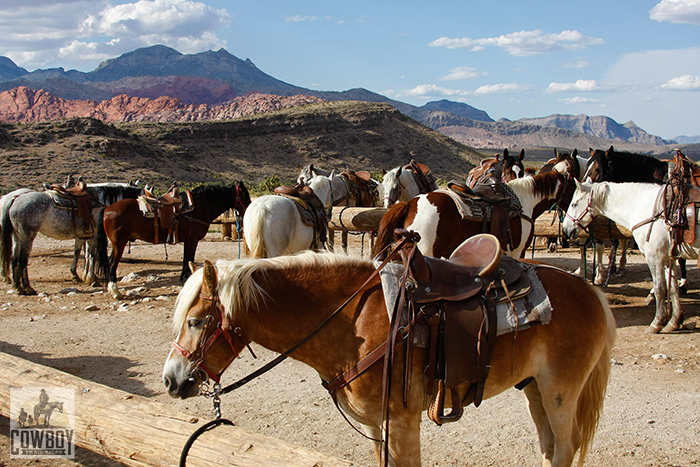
x: 210, y: 280
x: 332, y: 174
x: 591, y: 151
x: 193, y: 267
x: 398, y: 172
x: 505, y: 153
x: 574, y: 154
x: 522, y: 155
x: 578, y: 184
x: 610, y: 151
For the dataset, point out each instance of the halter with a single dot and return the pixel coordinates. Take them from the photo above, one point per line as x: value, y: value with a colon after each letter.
x: 209, y: 335
x: 239, y: 201
x: 588, y: 210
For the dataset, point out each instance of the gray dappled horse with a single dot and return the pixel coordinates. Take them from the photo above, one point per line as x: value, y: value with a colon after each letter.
x: 24, y: 213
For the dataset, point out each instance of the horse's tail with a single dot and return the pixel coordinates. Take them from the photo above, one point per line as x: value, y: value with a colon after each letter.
x: 392, y: 219
x: 6, y: 238
x: 254, y: 234
x: 101, y: 256
x: 590, y: 402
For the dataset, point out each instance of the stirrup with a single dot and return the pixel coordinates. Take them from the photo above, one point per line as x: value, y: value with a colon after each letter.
x: 436, y: 411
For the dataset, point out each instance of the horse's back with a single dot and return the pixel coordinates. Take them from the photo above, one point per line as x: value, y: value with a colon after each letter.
x: 272, y: 226
x: 582, y: 327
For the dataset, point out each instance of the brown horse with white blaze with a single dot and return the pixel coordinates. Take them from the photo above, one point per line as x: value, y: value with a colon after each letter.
x: 279, y: 302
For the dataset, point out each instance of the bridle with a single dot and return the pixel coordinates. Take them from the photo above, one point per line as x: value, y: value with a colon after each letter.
x: 395, y: 189
x: 578, y: 220
x: 210, y: 334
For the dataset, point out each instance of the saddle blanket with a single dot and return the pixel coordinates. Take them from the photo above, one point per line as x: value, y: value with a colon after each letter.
x: 530, y: 310
x: 475, y: 210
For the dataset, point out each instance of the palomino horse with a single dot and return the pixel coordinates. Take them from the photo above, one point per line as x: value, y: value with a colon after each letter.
x: 273, y: 225
x: 510, y: 168
x: 442, y: 228
x: 124, y: 222
x: 404, y: 182
x: 24, y: 213
x: 279, y: 302
x: 631, y: 205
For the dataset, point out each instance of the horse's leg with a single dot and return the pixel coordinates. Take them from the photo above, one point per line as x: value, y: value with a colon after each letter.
x: 189, y: 251
x: 560, y: 401
x: 611, y: 261
x: 539, y: 416
x: 599, y: 278
x: 90, y: 255
x: 582, y: 266
x: 117, y: 252
x: 682, y: 289
x: 77, y: 248
x: 658, y: 268
x: 676, y: 320
x: 20, y: 261
x: 344, y: 239
x: 623, y: 255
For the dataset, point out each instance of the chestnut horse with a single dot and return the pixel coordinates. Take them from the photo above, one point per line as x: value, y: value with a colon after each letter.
x: 123, y: 222
x: 279, y: 302
x: 441, y: 227
x: 510, y: 168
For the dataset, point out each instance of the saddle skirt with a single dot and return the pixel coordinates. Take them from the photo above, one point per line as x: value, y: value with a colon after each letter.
x: 529, y: 310
x: 477, y: 210
x: 81, y: 206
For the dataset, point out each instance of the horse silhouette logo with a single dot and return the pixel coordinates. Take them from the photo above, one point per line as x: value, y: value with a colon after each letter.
x: 42, y: 422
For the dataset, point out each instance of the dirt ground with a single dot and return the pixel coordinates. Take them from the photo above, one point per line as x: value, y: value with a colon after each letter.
x: 651, y: 415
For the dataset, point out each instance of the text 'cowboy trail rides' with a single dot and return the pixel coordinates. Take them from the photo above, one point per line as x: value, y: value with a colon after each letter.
x: 42, y: 422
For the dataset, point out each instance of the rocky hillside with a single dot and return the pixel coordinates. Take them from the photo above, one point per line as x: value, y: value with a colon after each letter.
x: 333, y: 135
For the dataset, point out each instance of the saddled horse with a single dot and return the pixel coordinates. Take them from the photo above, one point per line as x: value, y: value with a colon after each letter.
x: 633, y: 206
x: 404, y: 182
x: 348, y: 188
x: 273, y: 225
x: 279, y: 302
x: 24, y: 213
x: 46, y: 409
x: 625, y: 167
x: 438, y: 220
x: 510, y: 168
x: 124, y: 221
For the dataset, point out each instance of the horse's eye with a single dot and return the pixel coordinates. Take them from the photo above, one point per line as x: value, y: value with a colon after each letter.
x: 193, y: 322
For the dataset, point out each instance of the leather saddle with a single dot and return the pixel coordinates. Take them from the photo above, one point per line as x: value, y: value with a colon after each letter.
x: 457, y: 299
x: 491, y: 194
x: 164, y: 209
x: 310, y: 207
x: 360, y: 187
x: 79, y: 201
x: 680, y: 201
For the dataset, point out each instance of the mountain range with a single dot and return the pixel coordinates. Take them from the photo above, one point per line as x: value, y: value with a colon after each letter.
x: 218, y: 78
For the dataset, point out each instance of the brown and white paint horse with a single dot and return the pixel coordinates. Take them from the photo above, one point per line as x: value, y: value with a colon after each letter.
x: 510, y: 168
x: 441, y: 227
x: 278, y: 302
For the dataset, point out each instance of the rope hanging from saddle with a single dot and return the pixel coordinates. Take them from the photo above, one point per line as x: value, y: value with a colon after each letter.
x: 679, y: 200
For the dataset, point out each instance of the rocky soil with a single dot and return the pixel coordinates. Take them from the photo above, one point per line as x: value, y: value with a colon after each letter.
x: 651, y: 413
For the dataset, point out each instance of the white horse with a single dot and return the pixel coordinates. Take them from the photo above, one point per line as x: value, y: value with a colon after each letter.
x: 400, y: 185
x: 630, y: 205
x: 272, y: 224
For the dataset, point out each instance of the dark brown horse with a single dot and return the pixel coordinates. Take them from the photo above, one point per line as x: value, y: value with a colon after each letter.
x: 437, y: 219
x: 509, y: 167
x: 123, y: 222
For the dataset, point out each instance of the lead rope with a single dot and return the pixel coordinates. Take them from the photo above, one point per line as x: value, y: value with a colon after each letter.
x: 207, y: 426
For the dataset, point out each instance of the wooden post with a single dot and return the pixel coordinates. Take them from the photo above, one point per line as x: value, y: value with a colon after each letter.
x: 359, y: 219
x: 139, y: 432
x: 602, y: 228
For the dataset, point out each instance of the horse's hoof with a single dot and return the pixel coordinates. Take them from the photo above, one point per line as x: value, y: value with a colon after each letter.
x: 653, y: 329
x: 27, y: 291
x: 671, y: 327
x: 77, y: 280
x: 96, y: 283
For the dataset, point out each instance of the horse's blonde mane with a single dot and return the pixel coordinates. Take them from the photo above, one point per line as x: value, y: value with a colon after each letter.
x: 237, y: 288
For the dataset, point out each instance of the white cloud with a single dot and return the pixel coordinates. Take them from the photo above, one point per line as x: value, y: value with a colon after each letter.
x: 522, y: 43
x: 84, y: 32
x: 462, y: 72
x: 426, y: 90
x: 299, y: 18
x: 683, y: 83
x: 580, y: 63
x: 578, y: 100
x: 511, y: 88
x: 677, y: 11
x: 580, y: 85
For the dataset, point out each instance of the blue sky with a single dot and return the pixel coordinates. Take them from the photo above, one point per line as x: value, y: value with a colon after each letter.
x: 633, y: 60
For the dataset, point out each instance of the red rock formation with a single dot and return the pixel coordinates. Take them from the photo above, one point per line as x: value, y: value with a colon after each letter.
x: 22, y: 104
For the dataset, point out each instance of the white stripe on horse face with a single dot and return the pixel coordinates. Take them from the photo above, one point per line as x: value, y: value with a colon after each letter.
x: 425, y: 223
